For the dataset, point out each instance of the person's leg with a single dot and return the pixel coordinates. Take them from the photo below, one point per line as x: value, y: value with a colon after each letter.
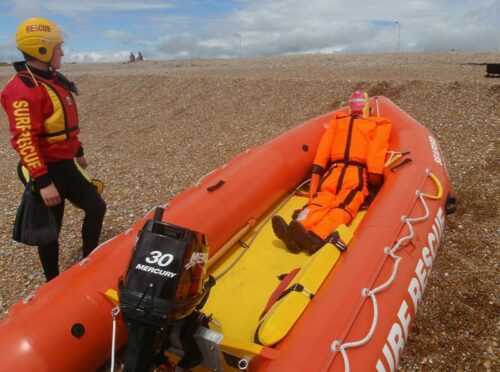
x: 324, y: 214
x: 92, y: 225
x: 85, y: 196
x: 49, y: 253
x: 314, y: 237
x: 330, y: 222
x: 49, y: 257
x: 346, y: 208
x: 317, y: 209
x: 339, y: 206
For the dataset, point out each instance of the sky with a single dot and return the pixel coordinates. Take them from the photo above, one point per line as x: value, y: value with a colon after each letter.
x: 108, y: 30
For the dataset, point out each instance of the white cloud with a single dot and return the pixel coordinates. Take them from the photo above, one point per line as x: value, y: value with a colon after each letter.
x: 121, y: 36
x: 8, y: 50
x: 297, y: 26
x: 92, y: 57
x: 284, y: 26
x: 67, y: 8
x: 26, y: 8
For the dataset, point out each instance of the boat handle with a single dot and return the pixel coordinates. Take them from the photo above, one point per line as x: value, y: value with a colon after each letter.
x: 438, y: 185
x: 215, y: 186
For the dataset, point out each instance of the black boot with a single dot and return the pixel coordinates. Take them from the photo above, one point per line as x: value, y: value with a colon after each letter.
x: 282, y: 231
x: 308, y: 240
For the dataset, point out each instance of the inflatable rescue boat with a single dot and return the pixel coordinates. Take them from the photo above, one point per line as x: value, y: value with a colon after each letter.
x: 232, y: 296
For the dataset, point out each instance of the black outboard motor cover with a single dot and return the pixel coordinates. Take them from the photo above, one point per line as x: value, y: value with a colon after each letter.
x: 166, y: 274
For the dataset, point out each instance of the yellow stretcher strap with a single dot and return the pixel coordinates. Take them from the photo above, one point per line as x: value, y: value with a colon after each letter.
x: 439, y: 187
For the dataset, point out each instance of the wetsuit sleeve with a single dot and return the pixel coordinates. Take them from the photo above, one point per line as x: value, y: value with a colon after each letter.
x: 324, y: 151
x: 23, y: 106
x: 378, y: 146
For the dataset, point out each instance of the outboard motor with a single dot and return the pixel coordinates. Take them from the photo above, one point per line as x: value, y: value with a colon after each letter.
x: 163, y: 291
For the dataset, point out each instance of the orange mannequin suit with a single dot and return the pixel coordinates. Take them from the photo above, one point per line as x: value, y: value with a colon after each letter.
x: 353, y: 146
x: 350, y: 154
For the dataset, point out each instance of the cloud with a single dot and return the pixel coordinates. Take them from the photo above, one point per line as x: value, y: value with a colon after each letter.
x: 198, y: 29
x: 121, y: 36
x: 8, y: 50
x: 93, y: 57
x: 293, y: 26
x: 23, y: 8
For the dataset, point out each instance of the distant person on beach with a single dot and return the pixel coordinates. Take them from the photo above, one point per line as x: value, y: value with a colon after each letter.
x: 43, y: 121
x: 131, y: 57
x: 139, y: 57
x: 350, y: 155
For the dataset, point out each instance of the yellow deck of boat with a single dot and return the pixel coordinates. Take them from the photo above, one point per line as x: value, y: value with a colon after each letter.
x: 248, y: 274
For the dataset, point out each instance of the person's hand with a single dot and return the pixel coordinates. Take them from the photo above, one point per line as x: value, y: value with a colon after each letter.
x: 82, y: 162
x: 50, y: 195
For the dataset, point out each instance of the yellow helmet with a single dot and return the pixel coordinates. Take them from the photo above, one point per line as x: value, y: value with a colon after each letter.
x: 37, y: 37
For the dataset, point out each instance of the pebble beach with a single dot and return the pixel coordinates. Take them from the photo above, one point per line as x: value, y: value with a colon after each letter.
x: 151, y: 129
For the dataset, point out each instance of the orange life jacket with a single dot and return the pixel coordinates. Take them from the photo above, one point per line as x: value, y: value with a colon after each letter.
x: 350, y: 145
x: 356, y: 140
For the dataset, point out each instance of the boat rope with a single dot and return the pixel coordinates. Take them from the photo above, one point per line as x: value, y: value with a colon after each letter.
x: 337, y: 345
x: 257, y: 232
x: 114, y: 314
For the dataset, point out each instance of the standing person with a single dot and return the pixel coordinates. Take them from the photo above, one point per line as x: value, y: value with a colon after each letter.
x: 43, y: 121
x: 350, y: 155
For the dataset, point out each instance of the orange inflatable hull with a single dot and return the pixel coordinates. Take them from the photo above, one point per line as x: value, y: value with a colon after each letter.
x: 359, y: 319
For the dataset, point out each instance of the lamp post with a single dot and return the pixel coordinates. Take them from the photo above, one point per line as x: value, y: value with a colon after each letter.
x: 239, y: 36
x: 399, y: 33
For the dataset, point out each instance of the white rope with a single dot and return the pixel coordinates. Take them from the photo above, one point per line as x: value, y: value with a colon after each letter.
x: 114, y: 313
x: 365, y: 293
x: 337, y: 345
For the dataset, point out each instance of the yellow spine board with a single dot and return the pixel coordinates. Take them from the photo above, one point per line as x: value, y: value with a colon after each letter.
x: 278, y: 321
